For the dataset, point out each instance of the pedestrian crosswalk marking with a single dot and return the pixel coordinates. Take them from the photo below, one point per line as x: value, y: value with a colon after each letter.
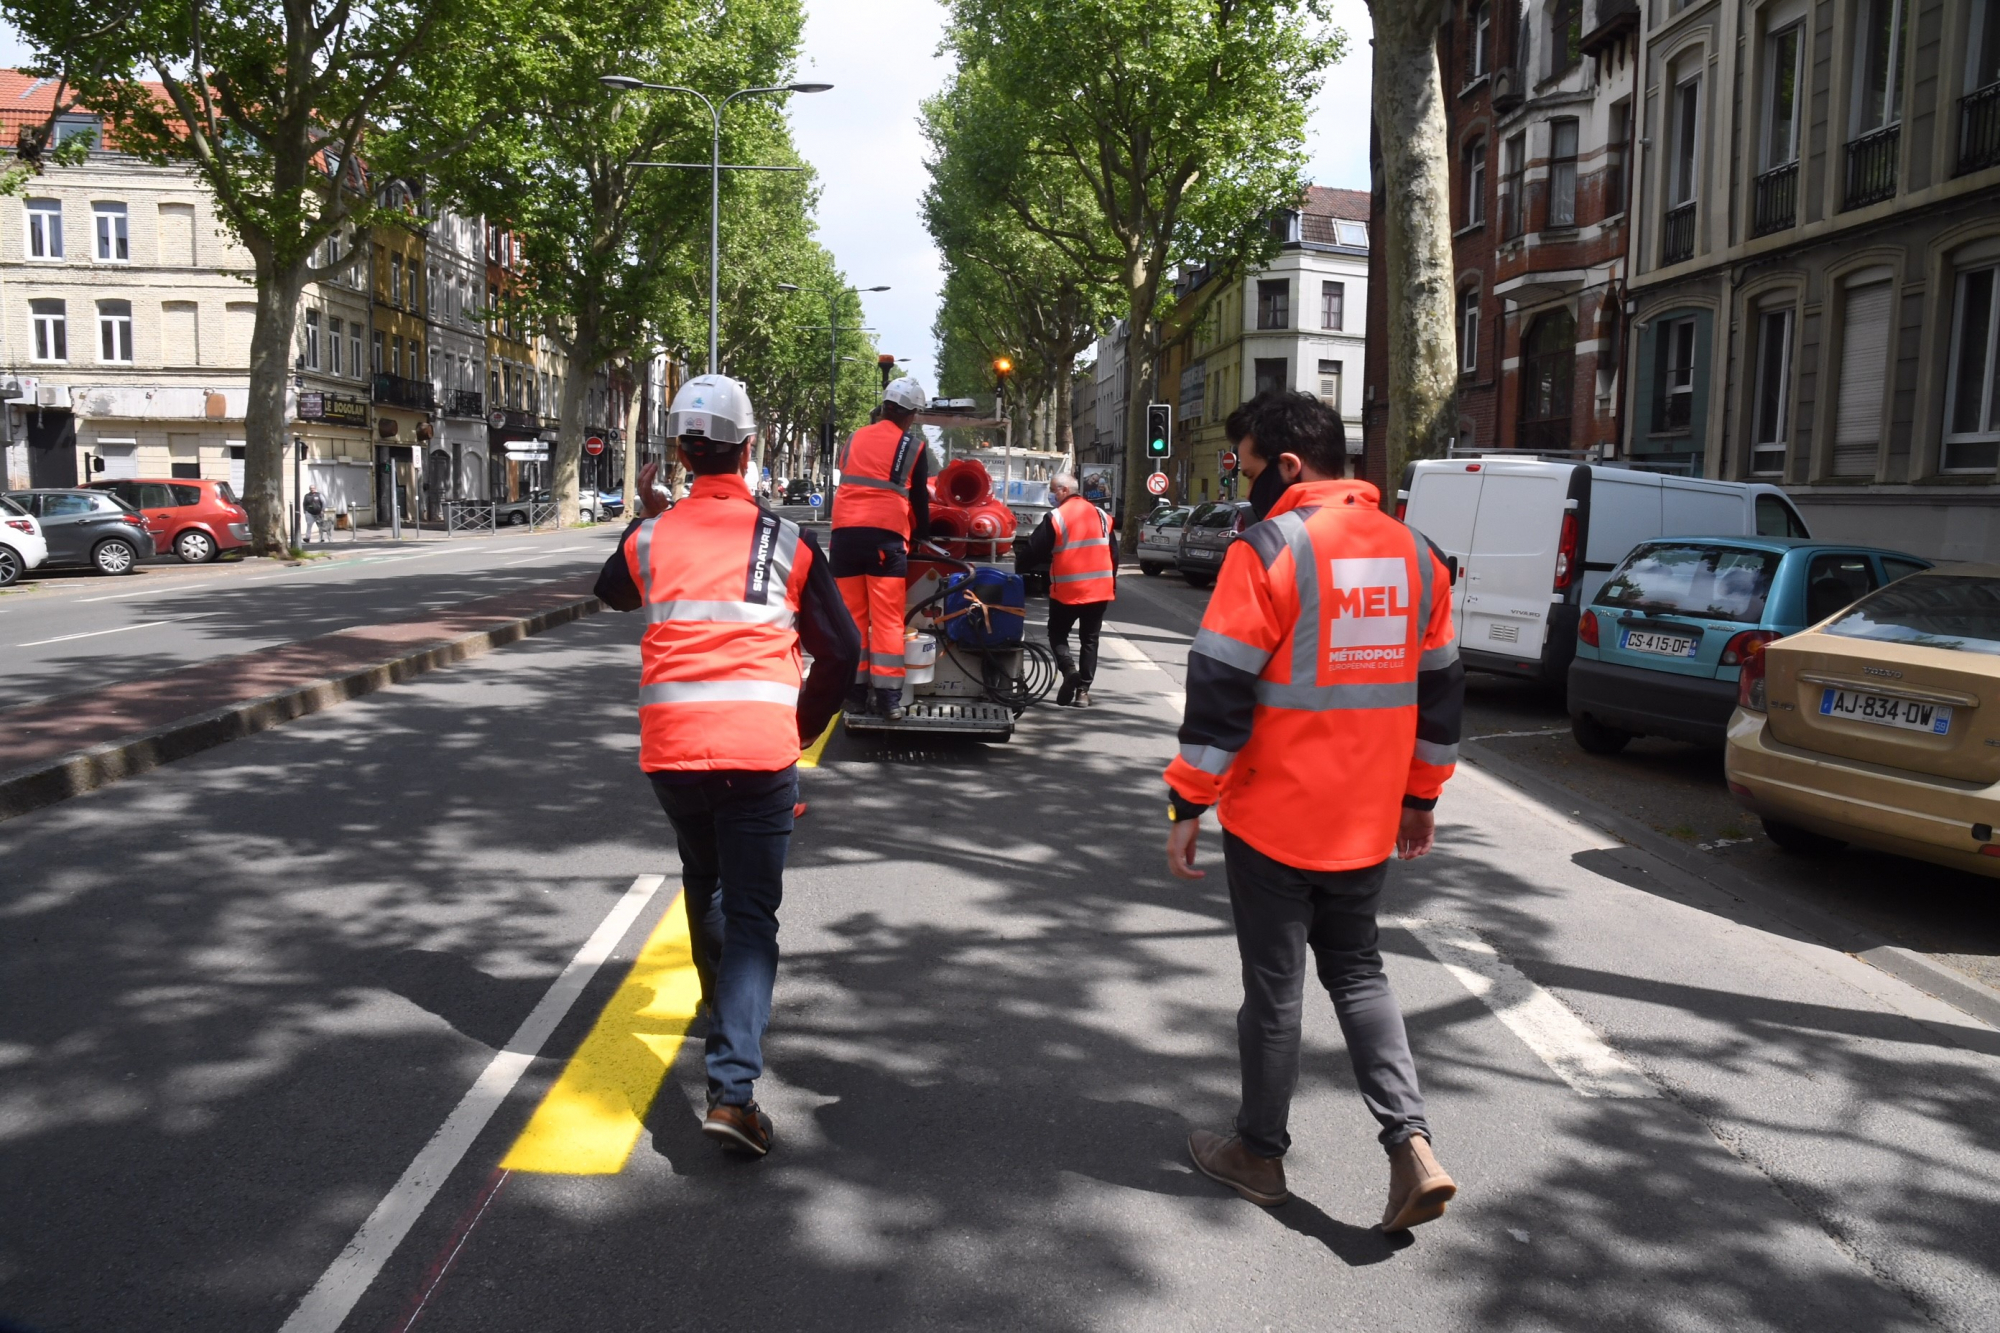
x: 592, y: 1117
x: 1577, y: 1055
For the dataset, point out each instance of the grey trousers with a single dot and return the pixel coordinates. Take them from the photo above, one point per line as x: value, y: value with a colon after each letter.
x: 1280, y: 911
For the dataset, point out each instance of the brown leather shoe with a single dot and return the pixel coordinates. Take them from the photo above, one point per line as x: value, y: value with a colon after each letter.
x: 1261, y: 1180
x: 744, y: 1127
x: 1418, y: 1186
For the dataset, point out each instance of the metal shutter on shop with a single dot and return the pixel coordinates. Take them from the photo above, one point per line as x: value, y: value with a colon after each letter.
x: 1864, y: 376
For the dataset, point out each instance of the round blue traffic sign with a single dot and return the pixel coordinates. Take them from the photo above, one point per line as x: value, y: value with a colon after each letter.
x: 815, y: 499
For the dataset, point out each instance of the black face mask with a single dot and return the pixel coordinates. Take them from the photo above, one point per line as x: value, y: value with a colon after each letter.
x: 1265, y: 490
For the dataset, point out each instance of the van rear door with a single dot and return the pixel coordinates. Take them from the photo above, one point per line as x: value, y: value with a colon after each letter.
x: 1444, y: 502
x: 1624, y: 511
x: 1510, y: 577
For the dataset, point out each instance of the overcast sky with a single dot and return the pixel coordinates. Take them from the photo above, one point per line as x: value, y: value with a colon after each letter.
x: 862, y: 138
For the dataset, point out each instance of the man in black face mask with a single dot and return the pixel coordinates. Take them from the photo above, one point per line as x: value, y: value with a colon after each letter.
x: 1267, y: 480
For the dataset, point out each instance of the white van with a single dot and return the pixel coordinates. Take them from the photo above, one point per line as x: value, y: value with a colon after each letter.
x: 1533, y: 540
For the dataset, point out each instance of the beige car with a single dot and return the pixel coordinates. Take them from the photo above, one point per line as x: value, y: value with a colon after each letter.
x: 1881, y: 726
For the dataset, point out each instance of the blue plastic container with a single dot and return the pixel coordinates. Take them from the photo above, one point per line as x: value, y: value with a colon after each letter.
x: 985, y: 609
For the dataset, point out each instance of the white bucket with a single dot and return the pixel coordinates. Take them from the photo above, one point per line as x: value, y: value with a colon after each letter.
x: 919, y: 663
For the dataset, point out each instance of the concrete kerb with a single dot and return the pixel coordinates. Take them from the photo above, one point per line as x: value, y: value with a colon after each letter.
x: 44, y: 784
x: 1953, y: 987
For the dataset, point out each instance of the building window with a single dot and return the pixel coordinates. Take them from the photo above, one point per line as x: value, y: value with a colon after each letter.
x: 1565, y: 36
x: 431, y: 291
x: 114, y: 244
x: 1273, y: 374
x: 1864, y: 360
x: 1333, y: 305
x: 396, y: 356
x: 354, y: 349
x: 1548, y: 375
x: 1513, y: 178
x: 114, y: 332
x: 1673, y: 376
x: 1274, y: 303
x: 1562, y: 172
x: 1878, y: 66
x: 1482, y: 39
x: 1781, y: 97
x: 1475, y: 182
x: 493, y: 387
x: 1329, y: 384
x: 1468, y: 331
x: 312, y: 340
x: 1351, y: 233
x: 416, y: 361
x: 333, y: 331
x: 45, y: 239
x: 1615, y: 150
x: 375, y: 362
x: 1685, y: 169
x: 51, y: 326
x: 395, y: 280
x: 1972, y: 422
x: 1771, y: 414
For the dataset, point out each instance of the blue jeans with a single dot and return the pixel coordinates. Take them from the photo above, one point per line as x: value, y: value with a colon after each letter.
x: 734, y: 828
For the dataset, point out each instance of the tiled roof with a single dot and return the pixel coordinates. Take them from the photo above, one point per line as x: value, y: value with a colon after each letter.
x: 1349, y: 205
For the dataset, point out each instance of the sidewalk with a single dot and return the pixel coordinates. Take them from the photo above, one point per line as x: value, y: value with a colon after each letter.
x: 62, y: 747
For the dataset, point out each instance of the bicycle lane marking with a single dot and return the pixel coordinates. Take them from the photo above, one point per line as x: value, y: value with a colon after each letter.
x: 326, y: 1306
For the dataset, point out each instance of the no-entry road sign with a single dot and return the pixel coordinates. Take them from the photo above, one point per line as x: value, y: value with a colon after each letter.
x: 1228, y: 460
x: 593, y: 445
x: 1157, y: 483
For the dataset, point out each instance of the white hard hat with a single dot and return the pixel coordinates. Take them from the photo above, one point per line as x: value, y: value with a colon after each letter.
x: 714, y: 407
x: 907, y: 394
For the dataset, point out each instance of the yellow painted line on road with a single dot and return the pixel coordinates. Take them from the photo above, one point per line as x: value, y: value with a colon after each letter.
x: 810, y: 759
x: 590, y: 1119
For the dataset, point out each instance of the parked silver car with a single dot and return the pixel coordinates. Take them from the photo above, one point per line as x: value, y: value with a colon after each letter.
x: 1160, y: 538
x: 1207, y: 536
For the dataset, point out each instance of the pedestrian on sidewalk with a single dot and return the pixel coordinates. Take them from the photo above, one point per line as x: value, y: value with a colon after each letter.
x: 1324, y: 695
x: 731, y: 593
x: 1073, y: 542
x: 314, y: 506
x: 880, y: 511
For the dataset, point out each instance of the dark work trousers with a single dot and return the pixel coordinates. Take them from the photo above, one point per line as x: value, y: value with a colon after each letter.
x: 1088, y: 617
x: 734, y: 828
x: 1281, y: 911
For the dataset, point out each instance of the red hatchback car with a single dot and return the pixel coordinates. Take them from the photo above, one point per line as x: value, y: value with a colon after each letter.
x: 196, y: 519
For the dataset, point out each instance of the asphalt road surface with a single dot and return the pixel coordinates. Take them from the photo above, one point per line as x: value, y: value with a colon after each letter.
x: 63, y: 636
x: 278, y: 1016
x: 1679, y: 791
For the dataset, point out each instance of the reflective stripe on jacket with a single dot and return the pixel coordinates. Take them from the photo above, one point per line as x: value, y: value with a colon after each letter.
x: 1324, y: 691
x: 1081, y: 568
x: 875, y: 467
x: 720, y: 582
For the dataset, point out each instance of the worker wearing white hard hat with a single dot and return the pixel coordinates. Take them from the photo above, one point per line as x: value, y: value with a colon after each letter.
x: 731, y: 594
x: 880, y: 510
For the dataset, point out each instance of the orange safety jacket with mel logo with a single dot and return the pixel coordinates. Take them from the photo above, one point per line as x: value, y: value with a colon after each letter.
x: 720, y: 582
x: 875, y: 468
x: 1324, y: 691
x: 1080, y: 568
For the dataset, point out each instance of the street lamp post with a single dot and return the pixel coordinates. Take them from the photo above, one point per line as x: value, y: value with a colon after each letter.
x: 832, y: 295
x: 626, y: 83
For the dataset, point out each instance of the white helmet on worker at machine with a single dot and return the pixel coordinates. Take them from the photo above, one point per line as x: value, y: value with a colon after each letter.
x: 714, y: 407
x: 907, y: 394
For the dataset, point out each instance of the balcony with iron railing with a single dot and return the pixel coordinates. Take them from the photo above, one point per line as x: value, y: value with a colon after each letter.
x: 1677, y: 234
x: 1871, y: 166
x: 465, y: 403
x: 1979, y: 129
x: 1777, y: 200
x: 395, y: 391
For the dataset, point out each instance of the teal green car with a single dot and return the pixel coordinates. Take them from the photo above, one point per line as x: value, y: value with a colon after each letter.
x: 1661, y: 645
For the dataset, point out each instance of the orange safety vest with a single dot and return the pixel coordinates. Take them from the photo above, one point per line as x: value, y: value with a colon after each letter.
x: 720, y: 580
x: 875, y: 467
x: 1335, y: 607
x: 1081, y: 570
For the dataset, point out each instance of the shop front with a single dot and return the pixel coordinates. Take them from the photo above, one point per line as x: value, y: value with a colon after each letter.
x: 518, y: 453
x: 339, y: 460
x: 403, y: 437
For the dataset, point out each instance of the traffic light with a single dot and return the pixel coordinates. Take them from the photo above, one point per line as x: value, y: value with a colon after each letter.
x: 1159, y: 430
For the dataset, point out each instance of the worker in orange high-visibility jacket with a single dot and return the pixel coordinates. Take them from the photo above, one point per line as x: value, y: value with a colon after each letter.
x: 1324, y: 696
x: 881, y: 510
x: 1073, y: 542
x: 731, y: 593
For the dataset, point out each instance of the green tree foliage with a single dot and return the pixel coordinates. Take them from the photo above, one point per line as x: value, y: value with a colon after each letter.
x: 617, y: 253
x: 1181, y: 121
x: 289, y: 112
